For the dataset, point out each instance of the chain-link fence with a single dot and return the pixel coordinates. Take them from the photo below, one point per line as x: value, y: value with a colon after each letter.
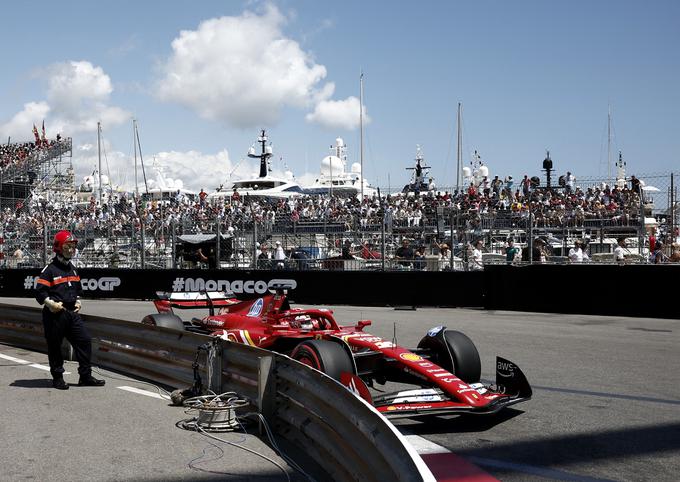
x: 441, y: 240
x: 434, y: 232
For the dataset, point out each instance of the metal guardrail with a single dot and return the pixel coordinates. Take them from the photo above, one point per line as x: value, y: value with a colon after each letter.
x: 311, y: 413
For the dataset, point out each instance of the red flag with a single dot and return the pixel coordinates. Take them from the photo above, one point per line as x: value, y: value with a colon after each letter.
x: 37, y: 136
x: 44, y: 138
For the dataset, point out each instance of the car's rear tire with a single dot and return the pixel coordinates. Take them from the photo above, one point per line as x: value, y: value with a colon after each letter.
x: 455, y: 352
x: 326, y: 356
x: 164, y: 320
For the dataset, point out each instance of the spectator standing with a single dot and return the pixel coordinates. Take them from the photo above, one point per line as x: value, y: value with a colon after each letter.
x: 264, y: 258
x: 496, y: 186
x: 576, y: 253
x: 635, y: 184
x: 419, y: 258
x: 652, y: 240
x: 444, y: 257
x: 526, y: 185
x: 570, y: 181
x: 509, y: 184
x: 658, y: 256
x: 619, y: 251
x: 404, y: 253
x: 475, y: 262
x: 511, y: 252
x: 279, y: 256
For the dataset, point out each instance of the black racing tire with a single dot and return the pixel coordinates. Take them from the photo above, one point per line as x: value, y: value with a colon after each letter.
x: 326, y: 356
x: 164, y: 320
x: 455, y: 353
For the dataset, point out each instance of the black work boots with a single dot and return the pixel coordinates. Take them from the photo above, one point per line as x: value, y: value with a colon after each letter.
x: 59, y: 384
x: 90, y: 381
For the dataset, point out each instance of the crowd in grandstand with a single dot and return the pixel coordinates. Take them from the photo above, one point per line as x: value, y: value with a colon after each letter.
x: 550, y: 208
x: 12, y: 154
x: 122, y: 214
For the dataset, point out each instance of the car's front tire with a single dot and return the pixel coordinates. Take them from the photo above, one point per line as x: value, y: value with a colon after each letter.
x: 326, y: 356
x: 455, y: 352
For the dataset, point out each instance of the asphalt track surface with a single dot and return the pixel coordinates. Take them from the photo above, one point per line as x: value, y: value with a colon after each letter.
x: 606, y: 406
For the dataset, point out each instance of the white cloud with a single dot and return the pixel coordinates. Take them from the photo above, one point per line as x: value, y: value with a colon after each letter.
x: 20, y: 126
x: 77, y: 97
x: 342, y: 114
x: 242, y: 70
x: 192, y: 169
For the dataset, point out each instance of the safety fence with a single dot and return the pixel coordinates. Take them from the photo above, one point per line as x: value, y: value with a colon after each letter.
x: 313, y: 415
x: 255, y: 248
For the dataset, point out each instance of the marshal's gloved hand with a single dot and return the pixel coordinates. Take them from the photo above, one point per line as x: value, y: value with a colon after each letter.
x: 79, y: 305
x: 54, y: 306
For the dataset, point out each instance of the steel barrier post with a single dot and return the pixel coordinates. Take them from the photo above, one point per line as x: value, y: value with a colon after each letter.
x: 383, y: 239
x: 173, y: 244
x: 254, y: 247
x: 142, y: 251
x: 266, y: 389
x: 45, y: 243
x: 218, y: 246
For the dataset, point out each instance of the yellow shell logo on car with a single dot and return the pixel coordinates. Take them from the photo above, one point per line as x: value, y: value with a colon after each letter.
x: 411, y: 357
x: 391, y: 408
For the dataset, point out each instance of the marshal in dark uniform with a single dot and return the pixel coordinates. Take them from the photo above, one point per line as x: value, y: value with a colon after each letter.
x: 58, y: 289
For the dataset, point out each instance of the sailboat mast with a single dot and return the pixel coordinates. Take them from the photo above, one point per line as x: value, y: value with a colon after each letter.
x: 361, y: 132
x: 134, y: 143
x: 609, y: 142
x: 99, y: 155
x: 459, y: 152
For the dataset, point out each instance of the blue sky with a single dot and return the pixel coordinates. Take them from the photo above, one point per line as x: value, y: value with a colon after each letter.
x: 531, y: 75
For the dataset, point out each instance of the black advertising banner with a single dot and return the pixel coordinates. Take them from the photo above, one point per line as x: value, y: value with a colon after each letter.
x: 632, y: 290
x: 330, y: 287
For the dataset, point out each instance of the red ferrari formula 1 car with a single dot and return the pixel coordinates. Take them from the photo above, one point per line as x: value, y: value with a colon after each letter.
x: 444, y: 369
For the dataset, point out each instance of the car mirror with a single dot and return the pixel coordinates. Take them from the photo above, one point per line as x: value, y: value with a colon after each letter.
x: 361, y: 324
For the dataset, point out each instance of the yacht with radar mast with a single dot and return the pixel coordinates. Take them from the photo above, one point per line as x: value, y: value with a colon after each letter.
x: 265, y: 185
x: 334, y: 180
x: 420, y: 182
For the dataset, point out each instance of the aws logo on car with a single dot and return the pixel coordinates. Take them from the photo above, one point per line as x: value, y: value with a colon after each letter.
x: 505, y: 369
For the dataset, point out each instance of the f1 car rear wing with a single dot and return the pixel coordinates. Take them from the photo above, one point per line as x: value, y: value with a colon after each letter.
x: 166, y: 301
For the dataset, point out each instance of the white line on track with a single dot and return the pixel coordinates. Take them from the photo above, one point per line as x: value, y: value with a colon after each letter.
x: 24, y: 362
x: 139, y: 391
x: 15, y: 360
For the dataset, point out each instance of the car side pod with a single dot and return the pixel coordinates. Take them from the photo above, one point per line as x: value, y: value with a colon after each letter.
x: 510, y: 380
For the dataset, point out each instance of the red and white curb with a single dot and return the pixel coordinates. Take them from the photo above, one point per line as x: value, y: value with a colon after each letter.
x: 445, y: 465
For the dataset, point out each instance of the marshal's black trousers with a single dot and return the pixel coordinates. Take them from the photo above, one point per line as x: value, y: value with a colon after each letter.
x: 67, y: 324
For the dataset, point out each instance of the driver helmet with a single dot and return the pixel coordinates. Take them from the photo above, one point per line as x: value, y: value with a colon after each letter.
x: 61, y: 238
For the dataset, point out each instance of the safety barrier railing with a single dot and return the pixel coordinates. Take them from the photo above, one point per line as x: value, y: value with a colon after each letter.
x: 311, y: 414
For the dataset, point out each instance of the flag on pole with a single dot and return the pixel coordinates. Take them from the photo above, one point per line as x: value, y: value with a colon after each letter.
x: 44, y: 138
x: 37, y: 136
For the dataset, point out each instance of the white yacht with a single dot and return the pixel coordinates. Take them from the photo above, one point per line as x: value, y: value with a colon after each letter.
x: 334, y: 180
x: 165, y: 189
x: 265, y: 185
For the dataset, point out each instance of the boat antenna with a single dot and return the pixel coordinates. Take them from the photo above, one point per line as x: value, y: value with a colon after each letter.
x: 264, y: 155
